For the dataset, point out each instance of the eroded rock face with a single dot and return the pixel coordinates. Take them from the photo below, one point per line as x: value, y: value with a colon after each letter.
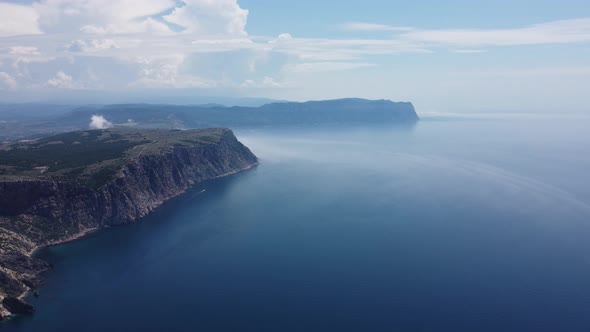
x: 37, y: 213
x: 17, y: 306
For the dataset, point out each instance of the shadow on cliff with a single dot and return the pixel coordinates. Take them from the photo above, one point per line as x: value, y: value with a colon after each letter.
x: 185, y: 221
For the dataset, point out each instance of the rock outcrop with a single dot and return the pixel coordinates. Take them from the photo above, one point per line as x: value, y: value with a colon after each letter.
x: 37, y: 211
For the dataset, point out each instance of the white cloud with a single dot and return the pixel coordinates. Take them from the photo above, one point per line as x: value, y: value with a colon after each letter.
x: 285, y: 36
x: 248, y: 84
x: 102, y: 16
x: 269, y: 82
x: 207, y: 17
x: 316, y: 49
x: 18, y: 20
x: 165, y: 72
x: 266, y: 82
x: 7, y: 81
x: 548, y: 72
x: 90, y: 45
x: 99, y: 122
x: 148, y: 25
x: 61, y: 81
x: 221, y: 45
x: 555, y: 32
x: 361, y: 26
x: 204, y: 44
x: 314, y: 67
x: 468, y: 51
x: 24, y: 50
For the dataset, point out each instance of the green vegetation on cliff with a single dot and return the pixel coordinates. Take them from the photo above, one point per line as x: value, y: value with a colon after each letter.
x: 93, y: 156
x: 59, y: 188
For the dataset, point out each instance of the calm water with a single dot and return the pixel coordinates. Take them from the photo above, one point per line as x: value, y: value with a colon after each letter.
x: 458, y: 225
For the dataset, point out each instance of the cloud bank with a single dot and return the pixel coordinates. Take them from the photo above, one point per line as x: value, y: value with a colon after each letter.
x: 135, y: 45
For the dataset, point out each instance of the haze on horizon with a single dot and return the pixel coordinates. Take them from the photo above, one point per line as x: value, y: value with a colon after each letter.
x: 456, y: 56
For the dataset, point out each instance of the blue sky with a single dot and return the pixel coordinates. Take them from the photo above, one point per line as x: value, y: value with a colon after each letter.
x: 451, y: 56
x: 268, y: 16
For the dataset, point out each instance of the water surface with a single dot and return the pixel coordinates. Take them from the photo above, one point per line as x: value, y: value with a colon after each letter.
x: 471, y: 225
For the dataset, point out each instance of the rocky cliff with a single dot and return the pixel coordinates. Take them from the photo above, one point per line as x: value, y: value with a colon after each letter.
x: 65, y: 201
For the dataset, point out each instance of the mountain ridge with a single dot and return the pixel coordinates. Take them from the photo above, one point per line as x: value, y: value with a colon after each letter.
x: 346, y: 111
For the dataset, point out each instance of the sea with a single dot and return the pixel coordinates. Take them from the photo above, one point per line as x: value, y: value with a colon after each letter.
x: 457, y: 223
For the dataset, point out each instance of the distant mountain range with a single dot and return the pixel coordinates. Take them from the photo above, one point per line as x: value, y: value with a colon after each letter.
x: 351, y: 111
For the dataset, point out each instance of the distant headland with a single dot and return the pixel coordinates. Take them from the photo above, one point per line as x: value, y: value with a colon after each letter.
x: 55, y: 119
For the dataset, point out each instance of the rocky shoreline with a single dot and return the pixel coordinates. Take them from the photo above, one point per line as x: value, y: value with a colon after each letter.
x: 58, y: 211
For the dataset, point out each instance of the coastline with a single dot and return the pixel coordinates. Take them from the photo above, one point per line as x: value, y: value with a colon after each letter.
x: 6, y: 315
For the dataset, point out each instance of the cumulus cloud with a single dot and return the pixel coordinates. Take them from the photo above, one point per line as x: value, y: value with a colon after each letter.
x: 90, y: 45
x: 266, y: 82
x: 206, y: 17
x: 285, y: 36
x: 98, y: 17
x: 99, y: 122
x: 101, y: 17
x: 61, y: 80
x: 126, y: 33
x: 7, y: 81
x: 204, y: 44
x: 166, y: 72
x: 18, y: 20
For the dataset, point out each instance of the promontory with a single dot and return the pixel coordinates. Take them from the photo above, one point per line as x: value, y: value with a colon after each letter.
x: 59, y: 188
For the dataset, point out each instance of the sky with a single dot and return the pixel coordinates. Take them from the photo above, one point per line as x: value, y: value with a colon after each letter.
x: 444, y: 56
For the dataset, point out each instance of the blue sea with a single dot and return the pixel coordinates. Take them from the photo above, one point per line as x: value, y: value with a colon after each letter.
x: 454, y: 224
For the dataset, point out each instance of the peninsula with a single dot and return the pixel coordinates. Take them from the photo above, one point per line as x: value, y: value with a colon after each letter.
x: 60, y: 188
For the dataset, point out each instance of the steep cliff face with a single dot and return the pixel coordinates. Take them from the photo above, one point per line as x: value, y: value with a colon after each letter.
x: 41, y: 211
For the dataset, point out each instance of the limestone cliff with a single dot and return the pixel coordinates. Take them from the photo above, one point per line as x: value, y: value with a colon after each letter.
x: 65, y: 202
